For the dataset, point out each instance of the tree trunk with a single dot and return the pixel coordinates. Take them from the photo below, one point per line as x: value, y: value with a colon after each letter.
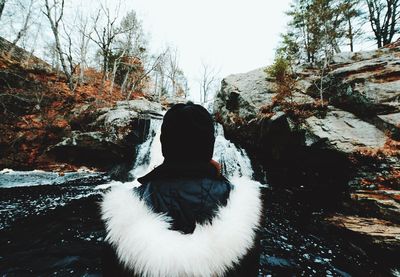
x: 379, y: 41
x: 62, y: 60
x: 105, y: 65
x: 125, y: 82
x: 114, y: 72
x: 385, y: 29
x: 351, y: 36
x: 155, y: 86
x: 2, y: 4
x: 54, y: 28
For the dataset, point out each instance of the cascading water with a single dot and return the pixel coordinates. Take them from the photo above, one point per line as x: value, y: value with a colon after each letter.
x: 234, y: 161
x: 148, y: 154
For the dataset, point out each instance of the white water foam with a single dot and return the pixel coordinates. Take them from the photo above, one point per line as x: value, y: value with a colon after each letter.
x: 11, y: 178
x: 149, y: 154
x: 396, y: 272
x: 234, y: 160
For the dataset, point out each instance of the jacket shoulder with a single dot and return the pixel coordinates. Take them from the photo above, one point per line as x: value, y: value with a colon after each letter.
x: 146, y: 245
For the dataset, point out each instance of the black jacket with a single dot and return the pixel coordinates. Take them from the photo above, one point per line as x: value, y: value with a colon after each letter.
x: 190, y: 195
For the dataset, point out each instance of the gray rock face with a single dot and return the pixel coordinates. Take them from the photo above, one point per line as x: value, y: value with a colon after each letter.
x: 117, y: 121
x: 363, y: 88
x: 393, y: 119
x: 366, y: 82
x: 306, y: 139
x: 244, y: 94
x: 317, y: 152
x: 140, y: 105
x: 345, y: 132
x: 114, y: 133
x: 351, y: 57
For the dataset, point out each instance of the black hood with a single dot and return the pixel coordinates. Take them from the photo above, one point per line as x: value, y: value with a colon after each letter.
x: 187, y: 134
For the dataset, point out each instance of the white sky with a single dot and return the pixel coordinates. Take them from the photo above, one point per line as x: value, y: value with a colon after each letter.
x: 231, y: 35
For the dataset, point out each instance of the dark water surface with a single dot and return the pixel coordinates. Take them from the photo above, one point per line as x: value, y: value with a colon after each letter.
x: 56, y: 230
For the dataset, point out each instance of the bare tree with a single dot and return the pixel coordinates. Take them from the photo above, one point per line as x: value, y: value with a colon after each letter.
x: 130, y: 48
x: 149, y: 68
x: 208, y: 81
x: 85, y: 32
x: 25, y: 25
x: 116, y: 64
x: 2, y: 4
x: 52, y: 56
x: 182, y: 85
x: 106, y: 34
x: 54, y: 14
x: 319, y: 84
x: 70, y: 54
x: 34, y: 44
x: 384, y: 19
x: 19, y: 18
x: 160, y: 79
x: 172, y: 67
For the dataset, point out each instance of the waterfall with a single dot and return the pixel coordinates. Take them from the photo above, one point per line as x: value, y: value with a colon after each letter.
x: 234, y: 161
x: 148, y: 154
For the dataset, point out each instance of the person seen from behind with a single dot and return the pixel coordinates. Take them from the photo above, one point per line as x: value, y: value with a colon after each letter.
x: 185, y: 218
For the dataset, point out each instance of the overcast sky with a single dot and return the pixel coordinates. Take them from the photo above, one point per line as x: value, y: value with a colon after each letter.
x: 232, y: 35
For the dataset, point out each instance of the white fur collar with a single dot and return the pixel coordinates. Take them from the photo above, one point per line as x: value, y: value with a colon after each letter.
x: 145, y: 245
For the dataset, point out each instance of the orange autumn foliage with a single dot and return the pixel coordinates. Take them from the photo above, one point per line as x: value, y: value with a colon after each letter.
x: 391, y: 148
x: 36, y: 106
x: 389, y: 181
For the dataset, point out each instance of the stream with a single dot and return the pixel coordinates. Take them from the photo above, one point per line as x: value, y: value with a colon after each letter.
x: 50, y: 223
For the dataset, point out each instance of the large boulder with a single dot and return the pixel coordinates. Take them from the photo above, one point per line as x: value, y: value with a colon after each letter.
x: 340, y: 155
x: 112, y: 136
x: 367, y: 84
x: 242, y: 97
x: 343, y: 132
x: 318, y: 151
x: 244, y: 94
x: 300, y: 141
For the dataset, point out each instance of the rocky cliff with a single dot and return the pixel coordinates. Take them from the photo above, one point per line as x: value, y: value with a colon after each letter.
x: 341, y: 150
x: 44, y: 125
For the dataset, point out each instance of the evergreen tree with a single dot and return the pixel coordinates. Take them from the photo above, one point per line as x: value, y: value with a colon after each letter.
x: 318, y: 28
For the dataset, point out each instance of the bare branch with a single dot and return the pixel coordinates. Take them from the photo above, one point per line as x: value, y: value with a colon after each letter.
x: 2, y: 4
x: 207, y: 82
x: 54, y: 19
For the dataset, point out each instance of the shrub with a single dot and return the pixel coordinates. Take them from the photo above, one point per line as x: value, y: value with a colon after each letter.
x: 280, y: 69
